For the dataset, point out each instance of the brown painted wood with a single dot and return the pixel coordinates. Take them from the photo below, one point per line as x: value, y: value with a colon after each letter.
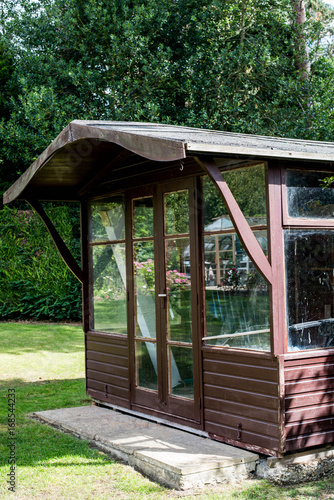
x: 317, y: 370
x: 111, y: 379
x: 309, y: 385
x: 248, y: 438
x: 309, y: 440
x: 238, y: 409
x: 318, y: 411
x: 99, y: 394
x: 61, y: 246
x: 247, y: 446
x: 248, y: 423
x: 245, y: 234
x: 276, y: 254
x: 241, y: 383
x: 232, y: 368
x: 119, y: 157
x: 309, y: 399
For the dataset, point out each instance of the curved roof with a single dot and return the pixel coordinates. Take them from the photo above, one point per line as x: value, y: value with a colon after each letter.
x: 71, y: 159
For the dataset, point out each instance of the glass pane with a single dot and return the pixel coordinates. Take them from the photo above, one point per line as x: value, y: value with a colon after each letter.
x: 306, y: 196
x: 248, y: 186
x: 146, y: 365
x: 176, y: 207
x: 107, y: 219
x: 178, y: 286
x: 237, y: 299
x: 144, y: 285
x: 181, y: 359
x: 309, y: 257
x: 143, y: 217
x: 109, y: 288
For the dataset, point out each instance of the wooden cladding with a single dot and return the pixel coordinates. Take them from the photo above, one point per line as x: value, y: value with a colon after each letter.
x: 241, y: 403
x: 309, y: 402
x: 107, y: 369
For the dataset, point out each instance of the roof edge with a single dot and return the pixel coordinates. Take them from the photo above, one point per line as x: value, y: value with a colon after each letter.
x: 148, y: 147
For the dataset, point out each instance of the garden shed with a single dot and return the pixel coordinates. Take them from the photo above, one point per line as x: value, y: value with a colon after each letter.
x: 208, y: 276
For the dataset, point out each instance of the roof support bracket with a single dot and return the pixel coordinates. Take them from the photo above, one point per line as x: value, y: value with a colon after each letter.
x: 238, y: 219
x: 58, y: 241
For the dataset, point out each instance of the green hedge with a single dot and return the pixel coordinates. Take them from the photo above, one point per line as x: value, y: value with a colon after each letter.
x: 34, y: 281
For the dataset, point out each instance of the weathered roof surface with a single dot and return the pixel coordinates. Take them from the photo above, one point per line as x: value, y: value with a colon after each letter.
x: 72, y: 157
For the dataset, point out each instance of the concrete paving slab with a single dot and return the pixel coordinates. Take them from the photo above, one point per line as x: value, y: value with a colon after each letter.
x: 170, y: 456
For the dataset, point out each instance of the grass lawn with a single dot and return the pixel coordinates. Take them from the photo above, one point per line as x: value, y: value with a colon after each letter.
x: 44, y: 363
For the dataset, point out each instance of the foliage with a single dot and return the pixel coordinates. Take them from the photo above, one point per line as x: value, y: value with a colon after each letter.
x: 34, y: 282
x: 222, y: 65
x: 204, y: 63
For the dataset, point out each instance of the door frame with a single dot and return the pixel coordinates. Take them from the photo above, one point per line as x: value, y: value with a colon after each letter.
x: 161, y: 401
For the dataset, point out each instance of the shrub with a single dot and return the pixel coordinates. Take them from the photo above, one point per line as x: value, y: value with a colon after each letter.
x: 34, y: 281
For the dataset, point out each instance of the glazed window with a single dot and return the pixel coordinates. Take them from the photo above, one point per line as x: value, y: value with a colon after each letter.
x: 248, y: 187
x: 309, y: 196
x: 309, y: 260
x: 107, y: 221
x: 107, y: 249
x: 236, y: 295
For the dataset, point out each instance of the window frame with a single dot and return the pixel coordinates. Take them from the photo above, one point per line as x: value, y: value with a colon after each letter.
x: 232, y: 230
x: 295, y: 222
x: 300, y: 224
x: 90, y: 246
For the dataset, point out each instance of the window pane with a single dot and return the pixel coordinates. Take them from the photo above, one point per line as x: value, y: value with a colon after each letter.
x: 248, y: 186
x: 309, y: 257
x: 143, y: 217
x: 237, y: 300
x: 146, y: 365
x: 181, y: 360
x: 178, y: 285
x: 107, y: 220
x: 306, y: 197
x: 176, y: 206
x: 144, y: 281
x: 109, y: 288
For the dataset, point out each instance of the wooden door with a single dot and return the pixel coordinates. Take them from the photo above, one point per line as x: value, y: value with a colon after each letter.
x: 165, y: 341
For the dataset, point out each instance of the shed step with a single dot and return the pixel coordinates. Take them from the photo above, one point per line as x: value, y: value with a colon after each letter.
x: 169, y: 456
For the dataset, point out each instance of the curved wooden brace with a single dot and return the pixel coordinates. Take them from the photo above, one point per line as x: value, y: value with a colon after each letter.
x: 246, y: 235
x: 65, y: 253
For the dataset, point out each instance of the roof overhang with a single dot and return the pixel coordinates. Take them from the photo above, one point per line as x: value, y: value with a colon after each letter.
x: 84, y: 147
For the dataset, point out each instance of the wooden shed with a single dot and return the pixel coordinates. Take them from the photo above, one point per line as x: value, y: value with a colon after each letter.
x: 208, y: 275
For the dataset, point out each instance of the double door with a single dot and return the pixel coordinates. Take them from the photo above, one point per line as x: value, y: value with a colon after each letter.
x: 164, y: 300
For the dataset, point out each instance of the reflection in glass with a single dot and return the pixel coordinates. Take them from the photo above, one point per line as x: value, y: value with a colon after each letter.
x: 107, y: 220
x: 237, y: 300
x: 109, y: 288
x: 176, y: 206
x: 183, y: 357
x: 144, y: 285
x: 248, y: 187
x: 178, y: 287
x: 309, y: 257
x: 143, y: 217
x: 306, y: 196
x: 146, y: 365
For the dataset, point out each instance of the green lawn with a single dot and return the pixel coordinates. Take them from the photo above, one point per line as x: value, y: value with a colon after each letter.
x: 44, y: 363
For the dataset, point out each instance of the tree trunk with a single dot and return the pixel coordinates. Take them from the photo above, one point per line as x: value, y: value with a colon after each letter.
x: 302, y: 60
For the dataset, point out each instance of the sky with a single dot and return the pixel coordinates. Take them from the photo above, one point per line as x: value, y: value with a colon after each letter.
x: 331, y: 2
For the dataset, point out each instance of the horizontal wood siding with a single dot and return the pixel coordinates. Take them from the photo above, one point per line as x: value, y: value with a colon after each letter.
x: 107, y: 369
x: 241, y: 403
x: 309, y: 401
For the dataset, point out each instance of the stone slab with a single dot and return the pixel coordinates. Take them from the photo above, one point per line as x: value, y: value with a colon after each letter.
x: 170, y: 456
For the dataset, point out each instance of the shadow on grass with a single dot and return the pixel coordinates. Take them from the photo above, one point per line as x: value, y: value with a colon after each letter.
x: 37, y: 443
x: 21, y: 338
